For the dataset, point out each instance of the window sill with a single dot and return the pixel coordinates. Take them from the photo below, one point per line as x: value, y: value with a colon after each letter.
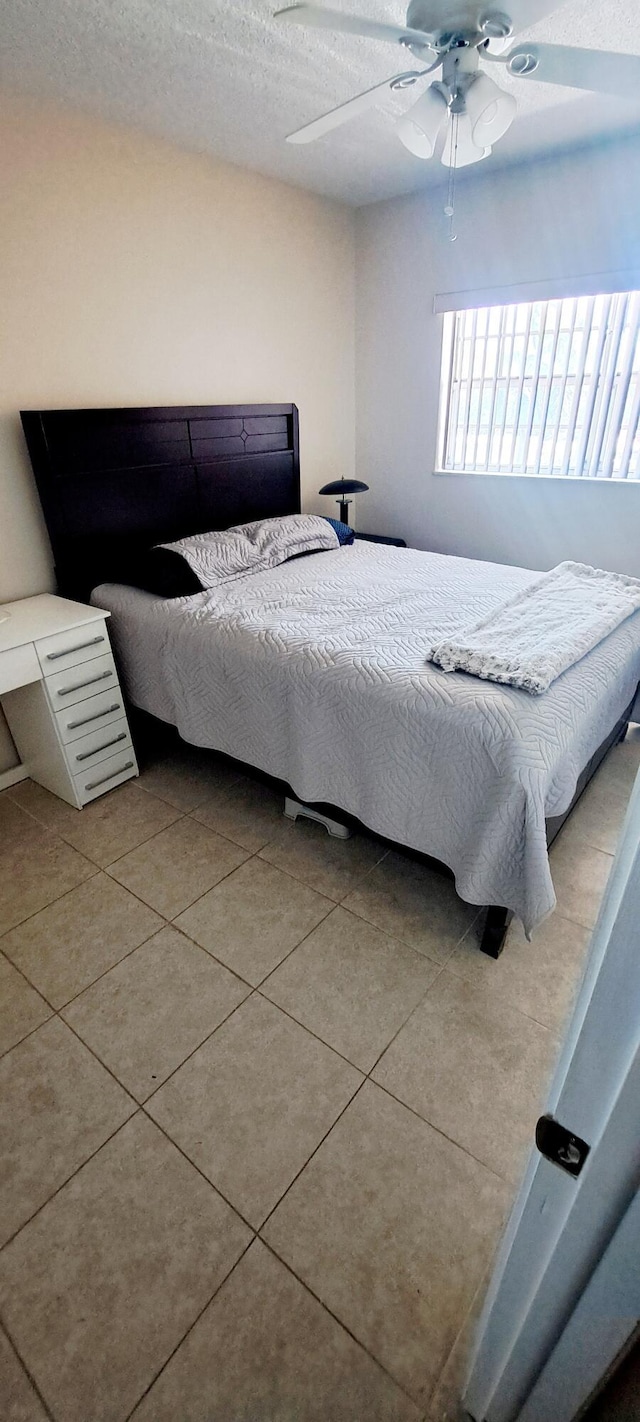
x: 532, y: 478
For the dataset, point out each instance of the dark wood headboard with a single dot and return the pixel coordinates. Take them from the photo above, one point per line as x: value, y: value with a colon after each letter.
x: 112, y: 482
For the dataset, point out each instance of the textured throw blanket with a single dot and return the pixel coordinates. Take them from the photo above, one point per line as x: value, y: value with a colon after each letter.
x: 232, y: 553
x: 542, y: 630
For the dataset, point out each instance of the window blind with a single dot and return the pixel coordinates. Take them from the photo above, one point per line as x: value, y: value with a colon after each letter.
x: 544, y: 387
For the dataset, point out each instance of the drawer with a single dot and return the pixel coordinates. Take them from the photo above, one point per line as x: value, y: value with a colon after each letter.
x: 96, y: 713
x: 98, y: 745
x: 65, y: 688
x: 105, y: 776
x: 69, y: 649
x: 18, y: 666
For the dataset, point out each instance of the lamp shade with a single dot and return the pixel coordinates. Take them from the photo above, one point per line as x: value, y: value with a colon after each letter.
x: 491, y: 111
x: 460, y: 150
x: 418, y: 129
x: 344, y: 486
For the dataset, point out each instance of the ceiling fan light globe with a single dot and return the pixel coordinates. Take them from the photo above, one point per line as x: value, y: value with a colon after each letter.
x: 465, y: 152
x: 418, y: 129
x: 490, y: 111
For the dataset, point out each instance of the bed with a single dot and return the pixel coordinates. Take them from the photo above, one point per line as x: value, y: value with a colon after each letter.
x: 314, y: 672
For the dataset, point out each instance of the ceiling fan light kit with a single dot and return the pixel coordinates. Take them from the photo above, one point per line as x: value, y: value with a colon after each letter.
x: 485, y: 112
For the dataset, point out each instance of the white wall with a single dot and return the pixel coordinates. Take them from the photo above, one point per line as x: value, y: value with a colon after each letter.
x: 133, y: 273
x: 563, y: 217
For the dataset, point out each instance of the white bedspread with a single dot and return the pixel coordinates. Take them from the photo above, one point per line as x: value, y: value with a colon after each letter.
x: 315, y: 672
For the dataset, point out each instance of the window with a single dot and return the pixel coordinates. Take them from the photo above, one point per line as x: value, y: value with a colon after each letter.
x: 544, y: 387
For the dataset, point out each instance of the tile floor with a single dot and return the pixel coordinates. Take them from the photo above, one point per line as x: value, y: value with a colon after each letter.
x: 251, y: 1081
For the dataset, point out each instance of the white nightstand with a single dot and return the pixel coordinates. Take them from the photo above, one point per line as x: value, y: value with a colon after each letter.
x: 62, y: 699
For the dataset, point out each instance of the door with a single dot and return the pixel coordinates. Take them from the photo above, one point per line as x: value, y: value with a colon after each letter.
x: 565, y: 1293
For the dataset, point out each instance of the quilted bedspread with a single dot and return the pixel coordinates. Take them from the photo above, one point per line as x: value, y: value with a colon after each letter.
x: 315, y: 672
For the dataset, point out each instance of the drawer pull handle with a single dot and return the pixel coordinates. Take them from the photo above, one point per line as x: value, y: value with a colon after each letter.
x: 86, y: 755
x: 93, y: 784
x: 79, y: 647
x: 78, y: 685
x: 84, y: 720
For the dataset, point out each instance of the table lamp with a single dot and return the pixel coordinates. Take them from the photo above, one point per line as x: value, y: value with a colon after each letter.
x: 342, y: 487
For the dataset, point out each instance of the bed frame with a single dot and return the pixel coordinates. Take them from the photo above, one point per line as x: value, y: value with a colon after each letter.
x: 113, y: 482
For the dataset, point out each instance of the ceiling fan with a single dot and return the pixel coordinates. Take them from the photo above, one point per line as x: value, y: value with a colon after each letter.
x: 453, y: 36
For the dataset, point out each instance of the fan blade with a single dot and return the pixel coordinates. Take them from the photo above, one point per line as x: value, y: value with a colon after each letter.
x: 600, y: 70
x: 321, y: 19
x: 335, y: 117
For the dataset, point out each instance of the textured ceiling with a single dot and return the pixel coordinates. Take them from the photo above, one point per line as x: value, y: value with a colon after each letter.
x: 220, y: 76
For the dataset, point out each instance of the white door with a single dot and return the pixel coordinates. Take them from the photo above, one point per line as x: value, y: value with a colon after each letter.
x: 565, y: 1293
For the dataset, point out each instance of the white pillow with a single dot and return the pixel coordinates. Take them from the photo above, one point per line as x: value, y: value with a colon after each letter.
x: 251, y: 547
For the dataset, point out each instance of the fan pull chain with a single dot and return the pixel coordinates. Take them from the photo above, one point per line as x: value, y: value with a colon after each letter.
x: 451, y: 191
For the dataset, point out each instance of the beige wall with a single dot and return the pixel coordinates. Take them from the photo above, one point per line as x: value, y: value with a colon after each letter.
x: 558, y: 218
x: 134, y: 273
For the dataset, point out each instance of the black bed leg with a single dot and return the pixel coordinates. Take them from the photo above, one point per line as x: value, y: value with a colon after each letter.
x: 495, y: 931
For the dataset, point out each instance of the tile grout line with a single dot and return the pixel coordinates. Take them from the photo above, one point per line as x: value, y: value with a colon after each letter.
x: 341, y: 1324
x: 502, y: 995
x: 109, y: 867
x: 190, y: 1329
x: 26, y: 1370
x: 440, y: 967
x: 199, y: 1171
x: 314, y: 1152
x: 338, y: 902
x: 140, y: 1105
x: 166, y: 923
x: 336, y: 1050
x: 57, y: 897
x: 72, y: 1176
x: 139, y: 1108
x: 186, y: 815
x: 366, y: 1075
x: 439, y: 1131
x: 68, y: 1001
x: 57, y: 900
x: 58, y: 834
x: 27, y: 1035
x: 181, y: 809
